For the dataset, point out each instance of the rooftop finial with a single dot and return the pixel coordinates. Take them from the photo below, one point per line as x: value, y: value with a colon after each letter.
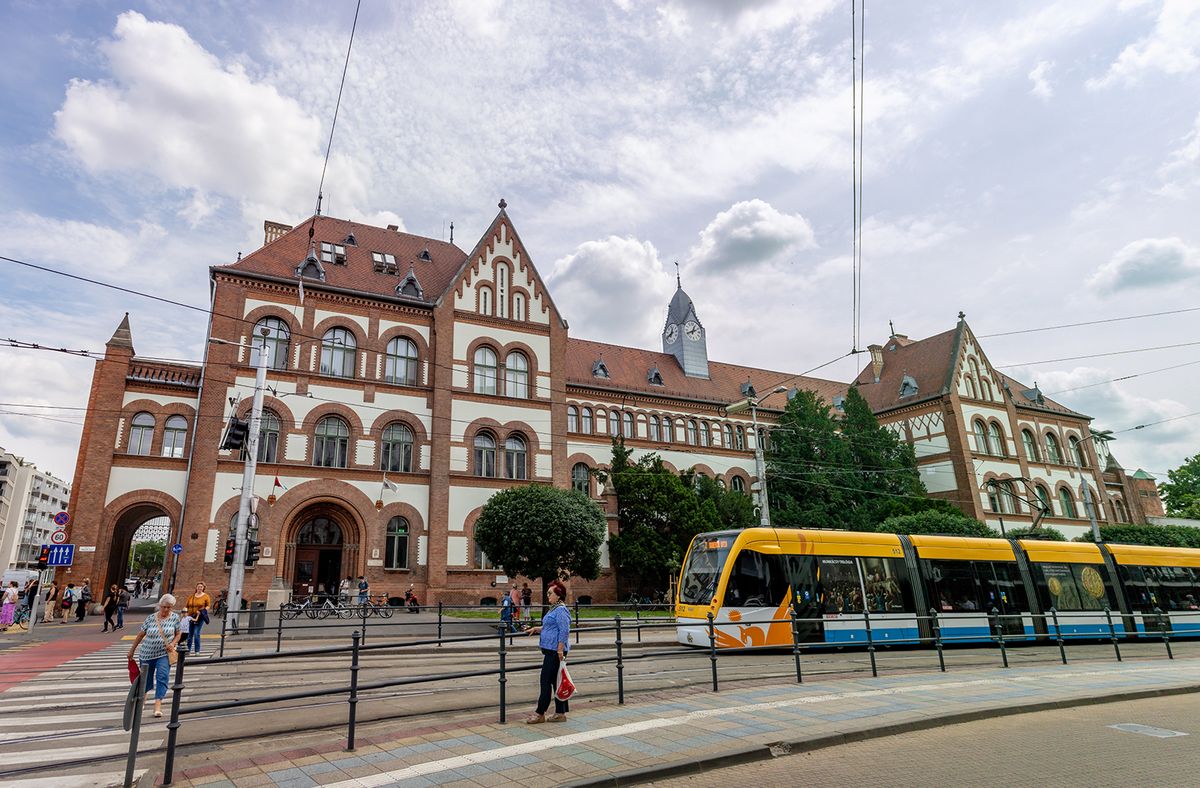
x: 962, y: 315
x: 892, y: 327
x: 503, y: 204
x: 451, y: 232
x: 678, y: 282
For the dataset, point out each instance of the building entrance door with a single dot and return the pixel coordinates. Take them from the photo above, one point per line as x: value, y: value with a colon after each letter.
x: 318, y: 557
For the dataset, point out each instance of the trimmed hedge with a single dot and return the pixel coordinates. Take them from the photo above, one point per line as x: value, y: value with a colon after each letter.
x: 935, y: 524
x: 1157, y: 535
x: 1043, y: 533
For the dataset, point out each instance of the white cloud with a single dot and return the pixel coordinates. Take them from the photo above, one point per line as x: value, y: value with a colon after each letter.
x: 1173, y: 47
x: 1181, y: 170
x: 750, y: 233
x: 906, y: 234
x: 1040, y: 77
x: 1148, y: 263
x: 81, y: 247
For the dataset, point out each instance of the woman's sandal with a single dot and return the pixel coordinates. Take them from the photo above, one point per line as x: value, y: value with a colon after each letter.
x: 535, y: 719
x: 557, y: 718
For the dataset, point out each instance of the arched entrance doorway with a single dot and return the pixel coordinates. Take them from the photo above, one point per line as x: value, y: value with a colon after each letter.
x: 319, y: 545
x: 152, y: 527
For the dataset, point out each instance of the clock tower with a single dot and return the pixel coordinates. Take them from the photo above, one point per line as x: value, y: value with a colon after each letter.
x: 683, y: 336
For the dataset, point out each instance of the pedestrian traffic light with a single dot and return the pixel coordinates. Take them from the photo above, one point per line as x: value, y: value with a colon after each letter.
x: 251, y: 552
x: 230, y: 551
x: 235, y: 434
x: 44, y: 557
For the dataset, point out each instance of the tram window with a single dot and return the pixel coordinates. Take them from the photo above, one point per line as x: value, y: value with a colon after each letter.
x: 887, y: 585
x: 953, y: 586
x: 1139, y: 589
x: 757, y: 580
x: 1008, y: 587
x: 838, y: 585
x: 1176, y: 591
x: 703, y: 569
x: 1075, y: 586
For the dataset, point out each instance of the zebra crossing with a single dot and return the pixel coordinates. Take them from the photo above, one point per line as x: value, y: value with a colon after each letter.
x: 69, y: 716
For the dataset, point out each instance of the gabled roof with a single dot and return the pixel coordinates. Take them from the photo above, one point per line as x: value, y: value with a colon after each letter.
x: 1140, y: 474
x: 627, y: 368
x: 280, y: 258
x: 927, y: 361
x: 1022, y: 400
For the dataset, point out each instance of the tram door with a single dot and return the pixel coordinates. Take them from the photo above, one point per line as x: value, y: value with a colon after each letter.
x: 802, y: 573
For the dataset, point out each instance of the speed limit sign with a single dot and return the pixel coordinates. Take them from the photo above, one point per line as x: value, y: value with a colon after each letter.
x: 59, y: 537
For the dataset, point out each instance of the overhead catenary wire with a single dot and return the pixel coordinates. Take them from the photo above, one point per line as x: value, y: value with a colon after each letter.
x: 1099, y: 355
x: 1123, y: 378
x: 1089, y: 323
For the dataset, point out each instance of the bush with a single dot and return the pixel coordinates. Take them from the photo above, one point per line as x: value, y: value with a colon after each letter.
x: 935, y: 523
x: 1157, y: 535
x: 1043, y: 533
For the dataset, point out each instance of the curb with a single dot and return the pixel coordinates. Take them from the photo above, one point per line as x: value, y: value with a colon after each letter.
x: 762, y: 752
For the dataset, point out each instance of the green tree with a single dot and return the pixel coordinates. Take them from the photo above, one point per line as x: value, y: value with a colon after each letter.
x: 806, y: 466
x: 148, y: 557
x: 735, y: 510
x: 1156, y: 535
x: 1044, y: 533
x: 1182, y: 493
x: 936, y: 523
x: 542, y: 532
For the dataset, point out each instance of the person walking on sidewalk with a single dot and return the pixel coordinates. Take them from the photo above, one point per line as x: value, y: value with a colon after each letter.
x: 197, y: 610
x: 85, y: 599
x: 527, y: 601
x: 158, y: 638
x: 8, y: 605
x: 51, y: 602
x: 68, y: 602
x: 364, y: 589
x: 122, y: 604
x: 555, y: 642
x: 110, y: 608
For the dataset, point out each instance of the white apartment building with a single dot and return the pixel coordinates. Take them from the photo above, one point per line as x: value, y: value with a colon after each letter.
x: 29, y: 499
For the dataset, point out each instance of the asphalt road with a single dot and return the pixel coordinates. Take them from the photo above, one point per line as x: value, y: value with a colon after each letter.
x: 1062, y: 748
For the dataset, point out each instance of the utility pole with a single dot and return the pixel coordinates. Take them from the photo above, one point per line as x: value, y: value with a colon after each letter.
x: 1086, y: 492
x: 760, y: 466
x: 237, y: 572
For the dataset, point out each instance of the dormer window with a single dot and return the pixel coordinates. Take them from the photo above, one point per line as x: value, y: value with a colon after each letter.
x: 654, y: 377
x: 384, y: 262
x: 410, y: 287
x: 839, y: 403
x: 350, y: 240
x: 908, y: 386
x: 424, y: 255
x: 333, y: 253
x: 599, y: 369
x: 310, y: 267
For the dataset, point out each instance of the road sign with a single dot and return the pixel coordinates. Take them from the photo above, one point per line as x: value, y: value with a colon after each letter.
x: 61, y: 555
x: 59, y: 537
x: 62, y: 518
x: 176, y: 548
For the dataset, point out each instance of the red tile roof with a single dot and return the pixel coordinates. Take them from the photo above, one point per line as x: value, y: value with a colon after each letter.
x: 280, y: 258
x: 1018, y: 390
x: 628, y: 368
x: 928, y: 361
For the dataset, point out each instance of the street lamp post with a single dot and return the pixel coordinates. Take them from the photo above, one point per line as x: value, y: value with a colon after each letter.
x: 760, y: 466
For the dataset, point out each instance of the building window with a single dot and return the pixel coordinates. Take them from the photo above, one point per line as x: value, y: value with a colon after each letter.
x: 1043, y: 496
x: 585, y: 425
x: 502, y: 290
x: 1031, y: 447
x: 515, y: 455
x: 668, y: 430
x: 383, y: 260
x: 741, y: 438
x: 986, y: 388
x: 692, y: 436
x: 338, y: 353
x: 705, y: 434
x: 581, y: 478
x: 397, y: 454
x: 485, y: 455
x: 996, y: 440
x: 174, y: 436
x: 251, y: 526
x: 572, y: 418
x: 518, y: 306
x: 268, y: 437
x: 1053, y: 449
x: 614, y: 423
x: 396, y: 549
x: 333, y: 253
x: 727, y: 435
x: 1120, y: 510
x: 970, y: 387
x: 481, y: 559
x: 1008, y: 495
x: 277, y: 340
x: 332, y: 444
x: 516, y: 376
x: 1077, y: 451
x: 737, y: 484
x: 654, y: 429
x: 627, y: 424
x: 400, y: 363
x: 141, y: 434
x: 486, y: 370
x: 1066, y: 502
x: 485, y: 301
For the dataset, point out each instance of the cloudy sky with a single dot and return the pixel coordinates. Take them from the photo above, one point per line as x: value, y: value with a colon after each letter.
x: 1030, y: 163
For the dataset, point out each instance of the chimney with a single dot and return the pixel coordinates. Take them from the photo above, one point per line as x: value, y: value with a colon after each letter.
x: 273, y: 230
x: 876, y: 360
x: 394, y: 227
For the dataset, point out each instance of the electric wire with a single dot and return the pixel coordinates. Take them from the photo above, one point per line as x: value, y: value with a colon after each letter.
x: 1099, y: 355
x: 1123, y: 378
x: 1089, y: 323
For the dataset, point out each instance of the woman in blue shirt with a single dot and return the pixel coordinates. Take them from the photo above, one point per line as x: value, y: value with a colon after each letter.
x: 555, y: 643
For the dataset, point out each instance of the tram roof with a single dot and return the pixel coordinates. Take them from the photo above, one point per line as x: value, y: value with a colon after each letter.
x: 1153, y: 555
x: 816, y: 542
x: 1062, y: 552
x: 963, y: 548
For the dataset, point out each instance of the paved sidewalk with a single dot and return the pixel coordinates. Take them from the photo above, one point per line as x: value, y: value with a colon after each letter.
x: 670, y: 732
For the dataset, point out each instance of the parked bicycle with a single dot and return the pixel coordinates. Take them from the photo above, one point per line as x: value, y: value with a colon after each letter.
x: 314, y: 610
x: 376, y: 605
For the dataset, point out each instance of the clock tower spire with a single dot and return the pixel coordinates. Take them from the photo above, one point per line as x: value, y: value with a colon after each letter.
x: 683, y: 335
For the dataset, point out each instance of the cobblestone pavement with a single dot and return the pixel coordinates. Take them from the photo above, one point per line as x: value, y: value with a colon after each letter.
x: 604, y: 741
x: 1060, y: 747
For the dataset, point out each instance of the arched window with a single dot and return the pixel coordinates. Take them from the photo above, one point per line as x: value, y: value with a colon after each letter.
x: 1009, y: 497
x: 278, y: 340
x: 705, y: 434
x: 485, y: 300
x: 174, y: 436
x: 485, y: 371
x: 581, y: 478
x: 986, y: 389
x: 741, y: 438
x: 737, y: 484
x: 1077, y: 451
x: 501, y: 290
x: 485, y: 455
x: 1120, y: 510
x: 268, y: 437
x: 251, y: 526
x: 141, y: 434
x: 1066, y: 502
x: 515, y: 455
x: 1031, y: 446
x: 1053, y: 449
x: 627, y: 424
x: 585, y: 423
x: 727, y: 435
x: 655, y: 434
x: 970, y: 387
x: 993, y: 494
x: 668, y: 425
x: 981, y: 441
x: 764, y: 439
x: 692, y: 436
x: 572, y: 418
x: 996, y: 440
x: 397, y: 450
x: 332, y: 445
x: 516, y: 376
x: 339, y: 353
x: 481, y: 559
x: 614, y: 423
x: 396, y: 549
x: 400, y: 364
x: 1043, y: 496
x: 518, y: 306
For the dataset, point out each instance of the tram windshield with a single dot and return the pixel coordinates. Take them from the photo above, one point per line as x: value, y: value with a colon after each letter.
x: 703, y: 568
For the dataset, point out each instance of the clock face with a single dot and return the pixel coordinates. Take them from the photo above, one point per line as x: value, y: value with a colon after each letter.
x: 692, y: 329
x: 672, y: 333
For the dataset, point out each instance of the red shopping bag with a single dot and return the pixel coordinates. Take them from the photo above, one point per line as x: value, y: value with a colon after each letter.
x: 565, y: 687
x: 133, y: 671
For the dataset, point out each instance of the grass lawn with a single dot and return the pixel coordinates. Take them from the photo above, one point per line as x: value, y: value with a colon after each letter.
x: 585, y: 611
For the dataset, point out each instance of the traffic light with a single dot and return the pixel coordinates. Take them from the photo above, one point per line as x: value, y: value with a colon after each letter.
x: 235, y: 434
x: 44, y: 557
x: 230, y: 551
x: 251, y: 552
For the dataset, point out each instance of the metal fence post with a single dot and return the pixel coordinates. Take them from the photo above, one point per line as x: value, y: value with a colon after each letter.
x: 136, y: 730
x: 503, y: 678
x: 279, y: 630
x: 439, y: 623
x: 620, y: 663
x: 173, y: 725
x: 1062, y: 648
x: 355, y: 640
x: 998, y: 634
x: 637, y: 615
x: 796, y: 645
x: 1112, y: 632
x: 870, y: 641
x: 937, y: 638
x: 224, y: 620
x: 712, y: 649
x: 1163, y: 627
x: 364, y: 610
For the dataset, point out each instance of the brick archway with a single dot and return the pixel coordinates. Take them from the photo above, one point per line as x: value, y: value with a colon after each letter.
x: 122, y: 518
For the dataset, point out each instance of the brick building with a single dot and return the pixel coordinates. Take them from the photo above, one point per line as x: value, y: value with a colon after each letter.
x: 453, y: 374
